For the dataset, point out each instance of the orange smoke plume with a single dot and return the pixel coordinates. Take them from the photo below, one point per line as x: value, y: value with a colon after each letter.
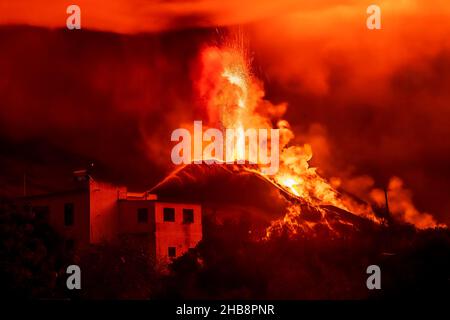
x: 401, y: 205
x: 234, y: 98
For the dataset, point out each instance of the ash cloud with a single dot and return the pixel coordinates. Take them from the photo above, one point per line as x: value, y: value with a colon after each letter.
x: 373, y: 104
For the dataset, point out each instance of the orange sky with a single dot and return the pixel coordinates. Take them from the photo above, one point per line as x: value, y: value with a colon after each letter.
x: 297, y: 34
x: 129, y: 16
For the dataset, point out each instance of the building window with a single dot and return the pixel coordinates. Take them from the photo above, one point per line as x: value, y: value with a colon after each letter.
x: 169, y: 214
x: 142, y: 215
x: 172, y: 252
x: 188, y: 215
x: 68, y: 214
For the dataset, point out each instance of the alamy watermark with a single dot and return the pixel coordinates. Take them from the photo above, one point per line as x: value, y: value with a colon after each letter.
x: 74, y: 279
x: 74, y: 20
x: 374, y: 280
x: 373, y: 21
x: 253, y: 146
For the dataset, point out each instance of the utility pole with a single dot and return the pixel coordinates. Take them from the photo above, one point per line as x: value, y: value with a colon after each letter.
x: 387, y: 202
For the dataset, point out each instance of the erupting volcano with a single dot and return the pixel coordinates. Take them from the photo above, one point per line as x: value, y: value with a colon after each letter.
x: 232, y: 97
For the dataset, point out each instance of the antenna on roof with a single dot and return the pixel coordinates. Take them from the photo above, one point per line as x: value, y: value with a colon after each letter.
x: 84, y: 174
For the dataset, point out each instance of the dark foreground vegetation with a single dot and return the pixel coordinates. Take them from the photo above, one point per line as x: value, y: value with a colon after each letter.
x: 227, y: 264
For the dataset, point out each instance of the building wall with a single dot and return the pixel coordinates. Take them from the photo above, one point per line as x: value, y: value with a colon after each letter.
x: 135, y: 233
x: 79, y: 231
x: 128, y: 217
x: 177, y: 234
x: 104, y: 212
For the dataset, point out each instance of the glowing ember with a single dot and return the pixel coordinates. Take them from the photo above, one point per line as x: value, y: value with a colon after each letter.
x: 240, y: 82
x: 289, y: 183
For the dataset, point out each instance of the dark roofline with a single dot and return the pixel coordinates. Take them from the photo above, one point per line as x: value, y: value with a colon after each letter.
x: 53, y: 194
x: 177, y: 200
x: 163, y: 199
